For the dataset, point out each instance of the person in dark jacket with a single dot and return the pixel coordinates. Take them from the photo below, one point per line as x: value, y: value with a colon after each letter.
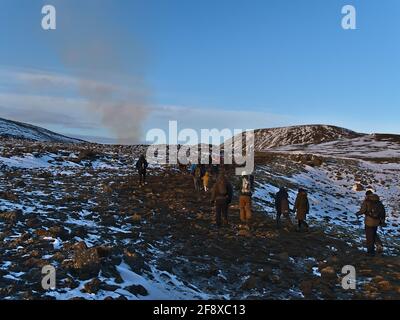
x: 197, y: 177
x: 372, y: 223
x: 302, y: 208
x: 282, y: 206
x: 221, y: 196
x: 246, y: 188
x: 141, y: 166
x: 214, y: 170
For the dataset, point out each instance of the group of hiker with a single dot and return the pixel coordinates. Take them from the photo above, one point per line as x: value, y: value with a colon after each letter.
x: 372, y: 208
x: 222, y: 194
x: 301, y: 207
x: 201, y: 175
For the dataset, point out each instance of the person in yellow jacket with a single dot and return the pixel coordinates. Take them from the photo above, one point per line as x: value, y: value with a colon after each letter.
x: 206, y: 178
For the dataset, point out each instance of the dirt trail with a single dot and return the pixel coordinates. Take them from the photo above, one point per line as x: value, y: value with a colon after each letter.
x: 266, y: 263
x: 91, y: 220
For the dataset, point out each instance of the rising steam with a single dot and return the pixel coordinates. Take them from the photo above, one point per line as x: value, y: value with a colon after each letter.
x: 108, y: 64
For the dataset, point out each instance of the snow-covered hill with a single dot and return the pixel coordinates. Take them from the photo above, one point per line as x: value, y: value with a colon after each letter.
x: 20, y: 130
x: 369, y: 147
x: 304, y: 134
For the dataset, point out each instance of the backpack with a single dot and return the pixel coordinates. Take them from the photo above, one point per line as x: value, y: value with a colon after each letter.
x: 377, y: 210
x: 246, y: 188
x: 197, y: 172
x: 222, y: 190
x: 284, y: 206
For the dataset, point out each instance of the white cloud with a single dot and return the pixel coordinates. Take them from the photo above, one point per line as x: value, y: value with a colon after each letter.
x: 48, y: 99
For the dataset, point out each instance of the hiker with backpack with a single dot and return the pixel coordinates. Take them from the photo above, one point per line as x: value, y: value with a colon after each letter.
x: 302, y: 208
x: 246, y: 188
x: 206, y: 179
x: 197, y: 177
x: 282, y: 206
x: 141, y: 166
x: 221, y: 197
x: 375, y: 215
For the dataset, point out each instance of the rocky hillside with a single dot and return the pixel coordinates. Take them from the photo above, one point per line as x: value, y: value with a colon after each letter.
x: 306, y: 134
x: 79, y: 208
x: 376, y: 147
x: 20, y: 130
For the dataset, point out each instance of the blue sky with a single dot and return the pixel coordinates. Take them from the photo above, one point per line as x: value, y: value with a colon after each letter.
x: 209, y: 63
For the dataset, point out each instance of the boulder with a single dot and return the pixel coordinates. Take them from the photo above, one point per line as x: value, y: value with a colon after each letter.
x: 32, y: 222
x: 135, y: 261
x: 104, y: 251
x: 136, y: 218
x: 385, y: 285
x: 70, y: 283
x: 328, y: 273
x: 251, y: 283
x: 93, y: 286
x: 59, y: 232
x: 8, y: 196
x: 79, y: 231
x: 358, y: 187
x: 137, y: 290
x: 79, y: 246
x: 86, y: 263
x: 316, y: 161
x: 9, y: 217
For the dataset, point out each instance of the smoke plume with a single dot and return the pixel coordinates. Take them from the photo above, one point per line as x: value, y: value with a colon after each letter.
x: 109, y: 64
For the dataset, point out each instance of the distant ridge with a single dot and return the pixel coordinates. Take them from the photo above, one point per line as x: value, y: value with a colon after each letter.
x: 20, y: 130
x: 303, y: 134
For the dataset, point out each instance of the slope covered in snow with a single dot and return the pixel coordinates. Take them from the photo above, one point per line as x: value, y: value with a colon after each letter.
x: 19, y: 130
x: 372, y: 147
x: 79, y: 208
x: 333, y: 198
x: 306, y: 134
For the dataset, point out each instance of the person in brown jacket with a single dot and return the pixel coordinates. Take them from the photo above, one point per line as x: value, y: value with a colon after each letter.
x: 221, y: 196
x: 374, y: 212
x: 302, y: 208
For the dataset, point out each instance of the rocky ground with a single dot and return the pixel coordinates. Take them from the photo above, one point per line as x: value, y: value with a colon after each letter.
x: 84, y: 213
